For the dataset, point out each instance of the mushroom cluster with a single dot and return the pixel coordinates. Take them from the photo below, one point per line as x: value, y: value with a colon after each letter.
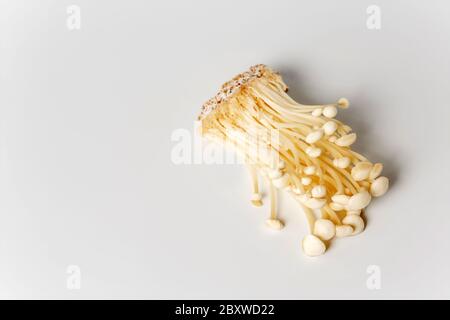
x: 300, y: 149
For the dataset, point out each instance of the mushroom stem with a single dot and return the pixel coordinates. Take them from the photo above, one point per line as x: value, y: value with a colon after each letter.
x: 273, y: 221
x: 256, y: 195
x: 273, y: 202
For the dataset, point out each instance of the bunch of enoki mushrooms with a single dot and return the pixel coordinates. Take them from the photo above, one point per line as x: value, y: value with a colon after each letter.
x: 300, y: 149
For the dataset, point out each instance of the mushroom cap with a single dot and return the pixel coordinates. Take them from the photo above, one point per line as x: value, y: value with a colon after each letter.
x: 324, y: 229
x: 313, y: 246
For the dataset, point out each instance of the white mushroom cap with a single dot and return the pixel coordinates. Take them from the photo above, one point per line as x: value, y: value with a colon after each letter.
x: 313, y: 246
x: 314, y: 203
x: 343, y: 103
x: 317, y: 112
x: 306, y: 181
x: 340, y: 198
x: 310, y: 170
x: 329, y: 127
x: 379, y: 186
x: 275, y: 224
x: 346, y: 140
x: 329, y: 111
x: 336, y: 206
x: 332, y: 139
x: 324, y: 229
x: 376, y: 171
x: 314, y: 136
x: 359, y: 201
x: 256, y: 196
x: 361, y: 170
x: 319, y: 191
x: 313, y: 152
x: 343, y: 231
x: 342, y: 163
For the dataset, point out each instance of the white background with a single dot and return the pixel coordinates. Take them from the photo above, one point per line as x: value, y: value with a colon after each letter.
x: 86, y: 176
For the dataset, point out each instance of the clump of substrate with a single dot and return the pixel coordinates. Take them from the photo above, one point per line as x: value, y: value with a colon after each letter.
x: 310, y: 158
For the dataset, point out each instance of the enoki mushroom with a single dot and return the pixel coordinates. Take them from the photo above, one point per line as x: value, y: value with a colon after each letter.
x: 301, y: 149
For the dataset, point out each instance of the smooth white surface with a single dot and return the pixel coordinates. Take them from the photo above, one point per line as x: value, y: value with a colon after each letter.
x: 86, y: 176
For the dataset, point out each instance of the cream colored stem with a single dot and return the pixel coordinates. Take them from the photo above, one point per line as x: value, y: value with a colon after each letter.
x: 273, y: 202
x: 254, y: 178
x: 309, y: 215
